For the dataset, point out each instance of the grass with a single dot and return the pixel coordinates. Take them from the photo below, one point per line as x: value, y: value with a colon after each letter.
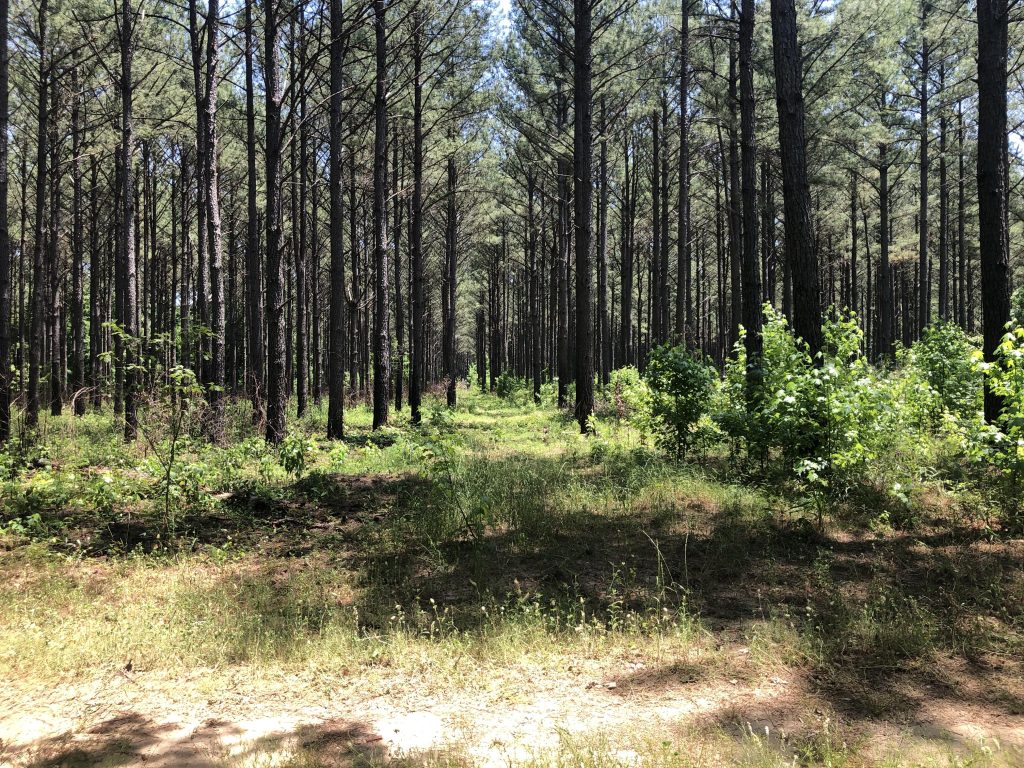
x: 497, y: 546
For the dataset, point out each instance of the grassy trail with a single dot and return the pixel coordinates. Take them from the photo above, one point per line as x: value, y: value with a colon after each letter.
x: 494, y: 590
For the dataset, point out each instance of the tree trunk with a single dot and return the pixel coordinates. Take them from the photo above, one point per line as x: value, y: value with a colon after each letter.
x: 56, y: 331
x: 128, y: 276
x: 5, y: 243
x: 801, y: 256
x: 253, y: 284
x: 35, y: 340
x: 276, y: 384
x: 752, y: 318
x: 583, y: 196
x: 943, y: 210
x: 854, y: 298
x: 216, y: 380
x: 961, y: 221
x: 302, y: 251
x: 417, y: 342
x: 336, y: 354
x: 924, y: 263
x: 381, y: 330
x: 684, y: 328
x: 451, y: 252
x: 95, y: 318
x: 733, y: 200
x: 886, y: 336
x: 604, y: 322
x: 993, y: 161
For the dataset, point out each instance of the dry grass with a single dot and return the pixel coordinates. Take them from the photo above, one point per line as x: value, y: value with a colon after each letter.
x: 601, y: 608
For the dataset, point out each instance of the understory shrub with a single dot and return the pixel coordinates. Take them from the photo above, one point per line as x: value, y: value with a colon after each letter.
x: 827, y: 420
x: 1001, y: 445
x: 945, y: 359
x: 681, y: 385
x: 627, y: 395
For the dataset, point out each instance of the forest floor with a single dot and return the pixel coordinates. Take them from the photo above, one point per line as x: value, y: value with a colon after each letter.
x: 502, y: 592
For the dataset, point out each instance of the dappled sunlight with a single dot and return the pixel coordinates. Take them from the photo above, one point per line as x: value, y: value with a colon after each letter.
x: 509, y: 596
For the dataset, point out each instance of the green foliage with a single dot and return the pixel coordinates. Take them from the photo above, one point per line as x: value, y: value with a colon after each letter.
x: 945, y: 358
x: 507, y: 386
x: 831, y: 422
x: 681, y: 387
x: 1001, y: 444
x: 295, y: 452
x: 627, y: 394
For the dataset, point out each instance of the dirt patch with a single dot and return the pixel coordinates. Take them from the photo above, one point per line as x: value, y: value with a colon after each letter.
x: 218, y: 717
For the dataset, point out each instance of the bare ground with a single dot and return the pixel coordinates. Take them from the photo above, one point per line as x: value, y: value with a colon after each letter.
x: 216, y: 717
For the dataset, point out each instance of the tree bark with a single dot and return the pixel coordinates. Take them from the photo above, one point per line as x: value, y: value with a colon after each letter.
x: 752, y: 318
x: 684, y: 327
x: 451, y: 230
x: 924, y: 266
x: 36, y: 341
x: 336, y: 355
x: 5, y: 234
x: 800, y: 251
x: 276, y: 384
x: 216, y: 380
x: 381, y: 329
x: 417, y: 341
x: 583, y: 197
x: 993, y: 161
x: 128, y: 275
x: 255, y: 358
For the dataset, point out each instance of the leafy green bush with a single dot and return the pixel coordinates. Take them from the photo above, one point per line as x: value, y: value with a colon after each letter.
x: 1001, y: 445
x: 627, y: 394
x: 945, y: 358
x: 295, y: 452
x: 828, y: 422
x: 508, y: 386
x: 785, y: 419
x: 681, y: 388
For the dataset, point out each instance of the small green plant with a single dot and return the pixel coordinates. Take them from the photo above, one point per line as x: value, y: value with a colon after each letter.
x: 508, y: 387
x: 29, y: 526
x: 337, y: 457
x: 682, y: 385
x: 1001, y: 444
x: 627, y: 394
x: 945, y: 358
x: 295, y: 453
x: 182, y: 396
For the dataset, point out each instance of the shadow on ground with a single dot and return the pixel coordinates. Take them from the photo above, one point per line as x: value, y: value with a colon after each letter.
x: 134, y: 740
x: 886, y: 626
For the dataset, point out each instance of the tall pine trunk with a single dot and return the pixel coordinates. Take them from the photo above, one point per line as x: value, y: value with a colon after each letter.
x: 129, y: 293
x: 381, y: 331
x: 5, y: 244
x: 796, y: 192
x: 583, y: 196
x: 993, y: 160
x: 336, y: 354
x: 35, y: 336
x: 216, y: 380
x: 417, y: 342
x: 751, y: 268
x: 276, y: 384
x: 253, y: 285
